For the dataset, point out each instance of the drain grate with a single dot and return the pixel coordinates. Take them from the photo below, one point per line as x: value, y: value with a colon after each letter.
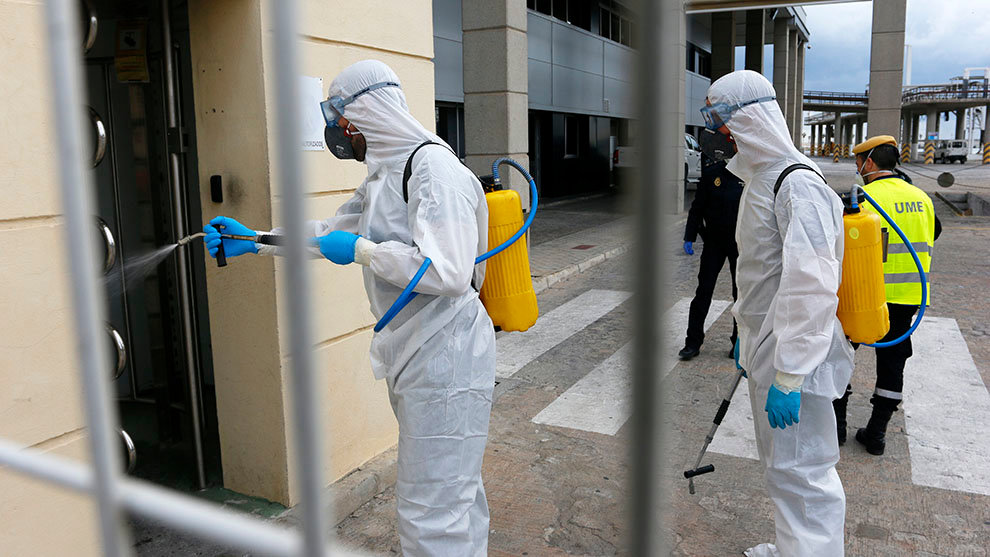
x: 584, y: 246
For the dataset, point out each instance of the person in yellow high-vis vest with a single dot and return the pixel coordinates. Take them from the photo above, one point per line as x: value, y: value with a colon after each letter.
x: 912, y: 210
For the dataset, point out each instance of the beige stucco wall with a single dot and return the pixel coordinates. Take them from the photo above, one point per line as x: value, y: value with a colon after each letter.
x: 40, y: 397
x: 231, y: 47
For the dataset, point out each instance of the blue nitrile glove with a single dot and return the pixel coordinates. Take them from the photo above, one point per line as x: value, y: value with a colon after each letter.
x: 735, y: 353
x: 782, y: 409
x: 338, y: 246
x: 689, y: 248
x: 231, y: 248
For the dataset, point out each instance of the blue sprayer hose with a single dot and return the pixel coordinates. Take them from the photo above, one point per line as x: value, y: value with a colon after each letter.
x: 917, y: 261
x: 408, y: 292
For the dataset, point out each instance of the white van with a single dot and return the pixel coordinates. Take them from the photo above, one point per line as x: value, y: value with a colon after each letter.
x: 951, y: 150
x: 628, y: 157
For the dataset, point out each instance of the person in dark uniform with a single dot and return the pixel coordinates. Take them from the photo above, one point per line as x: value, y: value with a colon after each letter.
x: 713, y: 216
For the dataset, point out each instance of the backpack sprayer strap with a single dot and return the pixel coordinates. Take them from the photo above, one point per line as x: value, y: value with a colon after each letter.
x: 792, y: 168
x: 407, y: 173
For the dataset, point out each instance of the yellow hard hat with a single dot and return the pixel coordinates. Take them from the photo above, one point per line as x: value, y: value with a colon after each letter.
x: 873, y: 142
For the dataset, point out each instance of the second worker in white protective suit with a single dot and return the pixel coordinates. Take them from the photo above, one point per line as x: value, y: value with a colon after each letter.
x: 438, y: 354
x: 791, y: 343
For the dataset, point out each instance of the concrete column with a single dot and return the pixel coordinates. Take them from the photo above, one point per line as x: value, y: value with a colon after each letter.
x: 755, y: 36
x: 961, y: 123
x: 496, y: 101
x: 829, y: 139
x: 799, y: 105
x: 905, y: 142
x: 793, y: 95
x: 781, y: 41
x: 847, y: 138
x: 985, y: 136
x: 886, y: 64
x: 814, y: 140
x: 915, y: 128
x: 931, y: 127
x: 859, y: 132
x: 723, y: 43
x: 837, y: 141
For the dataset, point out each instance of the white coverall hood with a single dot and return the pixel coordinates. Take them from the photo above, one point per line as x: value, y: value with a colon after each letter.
x: 759, y: 129
x: 381, y: 115
x: 787, y: 274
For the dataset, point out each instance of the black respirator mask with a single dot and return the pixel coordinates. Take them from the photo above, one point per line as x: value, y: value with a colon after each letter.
x: 716, y: 145
x: 339, y: 142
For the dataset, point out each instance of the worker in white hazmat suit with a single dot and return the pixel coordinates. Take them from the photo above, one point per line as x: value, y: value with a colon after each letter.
x: 438, y: 354
x: 790, y: 341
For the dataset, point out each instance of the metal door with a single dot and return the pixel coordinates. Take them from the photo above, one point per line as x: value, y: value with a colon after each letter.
x: 155, y: 319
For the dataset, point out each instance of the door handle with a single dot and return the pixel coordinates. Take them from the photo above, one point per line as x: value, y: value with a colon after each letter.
x: 101, y: 137
x: 121, y: 349
x: 91, y: 22
x: 109, y: 243
x: 130, y: 452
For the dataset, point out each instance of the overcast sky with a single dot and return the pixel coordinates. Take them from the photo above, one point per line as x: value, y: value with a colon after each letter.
x: 946, y: 36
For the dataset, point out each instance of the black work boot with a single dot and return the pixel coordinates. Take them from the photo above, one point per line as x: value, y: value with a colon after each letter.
x: 873, y: 436
x: 688, y: 352
x: 839, y: 406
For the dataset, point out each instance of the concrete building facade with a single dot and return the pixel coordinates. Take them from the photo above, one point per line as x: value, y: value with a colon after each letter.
x: 238, y: 434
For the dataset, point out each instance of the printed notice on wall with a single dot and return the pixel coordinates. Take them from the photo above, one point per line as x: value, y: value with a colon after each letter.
x: 311, y: 94
x: 131, y: 56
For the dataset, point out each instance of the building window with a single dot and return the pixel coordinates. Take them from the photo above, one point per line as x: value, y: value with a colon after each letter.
x: 616, y: 23
x: 698, y: 60
x: 571, y: 140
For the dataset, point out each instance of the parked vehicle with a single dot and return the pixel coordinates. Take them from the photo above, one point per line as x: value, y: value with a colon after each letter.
x: 951, y: 150
x: 628, y: 157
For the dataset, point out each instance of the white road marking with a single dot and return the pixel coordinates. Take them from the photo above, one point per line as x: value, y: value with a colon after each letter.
x: 599, y: 402
x: 946, y: 411
x: 736, y: 436
x: 515, y: 350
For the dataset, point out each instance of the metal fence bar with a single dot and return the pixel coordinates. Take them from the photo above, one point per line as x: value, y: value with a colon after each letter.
x: 658, y: 66
x: 306, y: 419
x: 65, y: 63
x: 198, y: 518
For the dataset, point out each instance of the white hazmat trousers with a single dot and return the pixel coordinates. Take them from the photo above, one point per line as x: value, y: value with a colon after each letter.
x: 788, y: 274
x: 438, y: 354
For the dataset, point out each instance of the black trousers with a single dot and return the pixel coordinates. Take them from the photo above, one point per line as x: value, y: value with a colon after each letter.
x: 713, y: 257
x: 890, y: 361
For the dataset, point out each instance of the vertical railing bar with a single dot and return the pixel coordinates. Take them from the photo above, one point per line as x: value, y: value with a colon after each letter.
x: 658, y: 75
x: 306, y: 419
x: 65, y: 63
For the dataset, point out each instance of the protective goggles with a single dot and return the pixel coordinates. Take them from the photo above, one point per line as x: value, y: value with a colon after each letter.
x: 718, y: 114
x: 333, y: 108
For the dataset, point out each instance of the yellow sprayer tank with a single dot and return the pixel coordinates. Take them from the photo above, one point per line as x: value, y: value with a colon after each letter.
x: 508, y: 292
x: 862, y: 298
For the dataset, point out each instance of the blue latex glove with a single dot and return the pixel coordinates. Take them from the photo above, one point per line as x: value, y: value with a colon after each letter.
x: 735, y: 353
x: 783, y: 409
x: 689, y: 248
x: 338, y: 246
x: 231, y: 248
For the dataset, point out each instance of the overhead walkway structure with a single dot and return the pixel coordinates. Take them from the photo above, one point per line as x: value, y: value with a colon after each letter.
x: 837, y: 118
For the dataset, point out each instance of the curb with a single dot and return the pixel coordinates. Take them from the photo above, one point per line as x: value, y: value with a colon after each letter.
x: 355, y: 489
x: 542, y: 283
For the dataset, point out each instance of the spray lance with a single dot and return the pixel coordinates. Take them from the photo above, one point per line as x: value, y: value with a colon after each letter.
x: 853, y: 320
x: 267, y: 239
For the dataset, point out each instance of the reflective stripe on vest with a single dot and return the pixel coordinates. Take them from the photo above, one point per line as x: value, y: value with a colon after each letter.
x: 914, y: 213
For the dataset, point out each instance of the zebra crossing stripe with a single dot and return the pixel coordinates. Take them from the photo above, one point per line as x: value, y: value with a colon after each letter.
x: 946, y: 411
x: 515, y: 350
x: 600, y: 401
